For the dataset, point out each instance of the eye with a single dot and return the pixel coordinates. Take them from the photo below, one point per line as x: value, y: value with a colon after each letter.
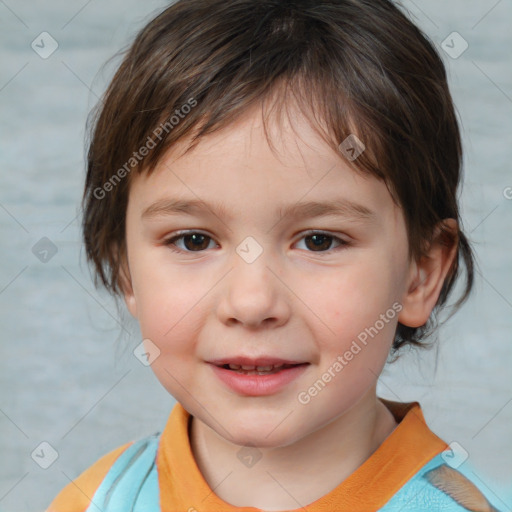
x: 194, y: 241
x: 318, y: 241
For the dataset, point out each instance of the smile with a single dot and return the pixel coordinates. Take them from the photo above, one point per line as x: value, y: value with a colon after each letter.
x: 258, y: 380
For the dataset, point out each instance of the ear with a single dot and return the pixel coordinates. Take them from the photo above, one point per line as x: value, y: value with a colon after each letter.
x: 125, y: 283
x: 427, y: 276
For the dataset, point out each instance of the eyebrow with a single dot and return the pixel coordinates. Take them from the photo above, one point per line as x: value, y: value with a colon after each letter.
x: 310, y: 209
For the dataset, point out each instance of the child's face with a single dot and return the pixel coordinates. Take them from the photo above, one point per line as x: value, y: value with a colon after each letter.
x: 302, y: 299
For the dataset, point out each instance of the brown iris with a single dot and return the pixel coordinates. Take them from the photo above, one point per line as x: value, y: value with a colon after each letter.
x: 319, y: 241
x: 199, y: 241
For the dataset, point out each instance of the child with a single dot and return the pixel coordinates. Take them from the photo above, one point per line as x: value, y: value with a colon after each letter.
x: 272, y: 187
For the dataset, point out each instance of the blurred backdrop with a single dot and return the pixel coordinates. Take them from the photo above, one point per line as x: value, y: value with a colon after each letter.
x: 71, y: 388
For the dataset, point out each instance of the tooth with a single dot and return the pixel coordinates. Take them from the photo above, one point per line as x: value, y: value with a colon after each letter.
x: 258, y: 370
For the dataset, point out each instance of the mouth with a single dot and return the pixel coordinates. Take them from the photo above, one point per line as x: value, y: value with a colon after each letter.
x: 257, y: 377
x: 259, y: 370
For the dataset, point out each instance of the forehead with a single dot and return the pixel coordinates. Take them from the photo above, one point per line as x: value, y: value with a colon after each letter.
x: 250, y: 164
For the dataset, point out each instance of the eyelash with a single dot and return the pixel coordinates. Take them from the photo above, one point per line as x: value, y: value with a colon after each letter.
x: 170, y: 241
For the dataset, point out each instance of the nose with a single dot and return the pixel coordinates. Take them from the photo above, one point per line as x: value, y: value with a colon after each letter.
x: 253, y: 295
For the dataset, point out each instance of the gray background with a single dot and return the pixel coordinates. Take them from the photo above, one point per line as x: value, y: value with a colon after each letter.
x: 68, y: 376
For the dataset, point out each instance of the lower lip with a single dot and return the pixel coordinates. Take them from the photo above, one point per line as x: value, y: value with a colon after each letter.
x: 258, y: 385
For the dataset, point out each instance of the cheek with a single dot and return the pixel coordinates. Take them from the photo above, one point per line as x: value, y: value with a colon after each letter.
x: 169, y: 304
x: 172, y: 316
x: 357, y: 311
x: 170, y: 319
x: 350, y: 298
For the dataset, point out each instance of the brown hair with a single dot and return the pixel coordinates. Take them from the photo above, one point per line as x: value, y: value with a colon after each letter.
x: 353, y: 66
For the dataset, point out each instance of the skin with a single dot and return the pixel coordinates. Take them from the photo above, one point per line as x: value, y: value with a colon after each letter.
x: 294, y: 302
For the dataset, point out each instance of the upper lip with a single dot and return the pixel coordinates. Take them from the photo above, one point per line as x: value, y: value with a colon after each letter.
x: 258, y: 361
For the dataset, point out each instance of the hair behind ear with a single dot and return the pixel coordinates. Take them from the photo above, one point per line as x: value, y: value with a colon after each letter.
x: 466, y: 254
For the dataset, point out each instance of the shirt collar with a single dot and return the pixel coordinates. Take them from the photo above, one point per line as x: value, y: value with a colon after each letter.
x: 402, y: 454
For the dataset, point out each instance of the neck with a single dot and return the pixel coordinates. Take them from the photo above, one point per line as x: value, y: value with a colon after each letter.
x: 286, y: 477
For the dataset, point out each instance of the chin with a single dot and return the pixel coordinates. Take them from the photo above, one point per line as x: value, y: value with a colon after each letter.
x: 262, y: 434
x: 259, y: 440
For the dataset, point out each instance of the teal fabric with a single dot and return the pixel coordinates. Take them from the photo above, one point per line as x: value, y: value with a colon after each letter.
x: 131, y: 485
x: 418, y: 495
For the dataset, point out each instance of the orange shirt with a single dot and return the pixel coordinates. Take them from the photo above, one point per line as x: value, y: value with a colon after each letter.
x: 182, y: 486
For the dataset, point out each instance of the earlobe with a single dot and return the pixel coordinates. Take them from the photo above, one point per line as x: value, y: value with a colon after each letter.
x: 428, y: 275
x: 127, y: 289
x: 131, y: 304
x: 414, y: 312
